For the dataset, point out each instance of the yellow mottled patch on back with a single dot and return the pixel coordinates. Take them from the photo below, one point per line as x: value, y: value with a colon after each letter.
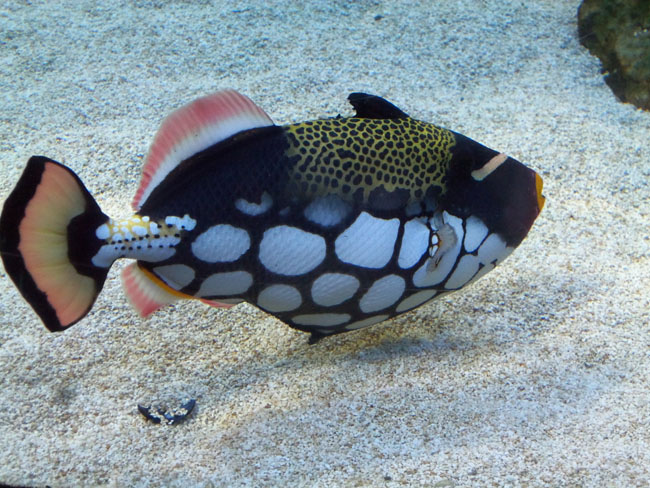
x: 347, y: 154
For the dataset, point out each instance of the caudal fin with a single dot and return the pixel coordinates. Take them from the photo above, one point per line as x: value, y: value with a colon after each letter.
x: 47, y: 241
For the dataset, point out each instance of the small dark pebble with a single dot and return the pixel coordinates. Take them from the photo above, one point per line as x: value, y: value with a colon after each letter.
x: 170, y: 417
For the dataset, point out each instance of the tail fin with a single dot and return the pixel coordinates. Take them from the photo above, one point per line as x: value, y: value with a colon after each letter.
x: 47, y: 241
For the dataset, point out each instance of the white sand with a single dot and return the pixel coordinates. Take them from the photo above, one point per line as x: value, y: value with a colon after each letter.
x: 535, y: 376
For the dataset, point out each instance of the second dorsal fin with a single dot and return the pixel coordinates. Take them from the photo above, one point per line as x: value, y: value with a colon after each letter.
x: 374, y: 107
x: 193, y: 128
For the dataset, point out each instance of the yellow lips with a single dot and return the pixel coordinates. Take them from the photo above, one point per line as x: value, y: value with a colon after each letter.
x: 539, y: 184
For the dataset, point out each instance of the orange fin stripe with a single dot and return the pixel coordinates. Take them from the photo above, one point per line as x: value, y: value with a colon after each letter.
x: 216, y: 304
x: 182, y: 295
x: 193, y: 128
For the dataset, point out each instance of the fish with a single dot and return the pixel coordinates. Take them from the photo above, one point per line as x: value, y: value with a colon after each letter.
x: 329, y: 225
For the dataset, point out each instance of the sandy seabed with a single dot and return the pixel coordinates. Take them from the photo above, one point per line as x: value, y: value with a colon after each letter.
x: 537, y: 375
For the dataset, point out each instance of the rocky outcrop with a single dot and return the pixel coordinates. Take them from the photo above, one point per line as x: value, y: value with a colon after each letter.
x: 618, y: 32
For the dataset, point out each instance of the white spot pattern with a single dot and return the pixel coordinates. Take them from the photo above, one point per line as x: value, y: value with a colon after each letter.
x: 223, y: 284
x: 426, y: 277
x: 327, y: 211
x: 228, y: 301
x: 333, y: 288
x: 128, y: 238
x: 321, y: 319
x: 221, y: 243
x: 184, y: 223
x: 368, y: 242
x: 475, y: 232
x: 103, y: 232
x: 254, y: 209
x: 176, y: 276
x: 415, y: 243
x: 161, y: 248
x: 484, y: 270
x: 493, y: 249
x: 139, y: 230
x: 415, y: 300
x: 383, y: 293
x: 290, y: 251
x: 466, y: 268
x: 359, y: 324
x: 279, y: 298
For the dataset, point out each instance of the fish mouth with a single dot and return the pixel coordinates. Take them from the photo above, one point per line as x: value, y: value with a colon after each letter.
x: 539, y: 185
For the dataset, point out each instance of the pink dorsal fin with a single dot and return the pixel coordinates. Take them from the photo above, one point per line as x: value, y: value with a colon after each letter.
x: 193, y: 128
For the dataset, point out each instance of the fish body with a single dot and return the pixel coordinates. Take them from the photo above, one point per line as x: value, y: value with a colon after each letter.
x: 329, y: 225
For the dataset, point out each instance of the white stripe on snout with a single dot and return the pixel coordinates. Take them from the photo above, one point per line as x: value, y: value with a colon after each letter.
x: 485, y: 170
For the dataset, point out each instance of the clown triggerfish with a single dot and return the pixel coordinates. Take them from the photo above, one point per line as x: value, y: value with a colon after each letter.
x: 329, y: 225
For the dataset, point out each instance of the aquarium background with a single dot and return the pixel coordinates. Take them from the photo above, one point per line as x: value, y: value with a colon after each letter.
x: 537, y: 375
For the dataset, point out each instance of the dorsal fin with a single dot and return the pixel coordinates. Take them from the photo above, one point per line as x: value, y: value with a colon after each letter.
x: 374, y: 107
x: 193, y: 128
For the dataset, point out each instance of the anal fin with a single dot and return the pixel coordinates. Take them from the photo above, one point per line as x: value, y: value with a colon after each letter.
x: 216, y: 304
x: 145, y: 293
x: 148, y: 293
